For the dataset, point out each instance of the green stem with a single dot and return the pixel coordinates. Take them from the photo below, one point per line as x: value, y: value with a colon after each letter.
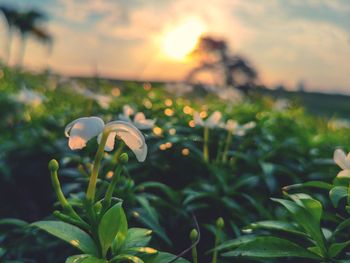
x: 205, y: 144
x: 219, y: 152
x: 71, y: 220
x: 60, y: 196
x: 90, y: 194
x: 108, y: 197
x: 227, y: 146
x: 217, y: 241
x: 194, y: 254
x: 118, y: 152
x: 89, y: 107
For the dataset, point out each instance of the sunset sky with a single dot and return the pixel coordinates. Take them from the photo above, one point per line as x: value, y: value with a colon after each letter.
x: 287, y: 41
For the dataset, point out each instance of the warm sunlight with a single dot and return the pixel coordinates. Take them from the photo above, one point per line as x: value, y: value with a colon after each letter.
x: 180, y: 40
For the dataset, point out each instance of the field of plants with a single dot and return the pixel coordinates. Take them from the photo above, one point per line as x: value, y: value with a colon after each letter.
x: 95, y: 170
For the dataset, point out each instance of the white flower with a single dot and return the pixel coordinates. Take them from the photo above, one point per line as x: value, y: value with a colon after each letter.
x: 29, y: 97
x: 103, y: 100
x: 242, y: 129
x: 230, y: 94
x: 127, y: 112
x: 343, y: 161
x: 211, y: 122
x: 339, y: 124
x: 81, y: 130
x: 235, y: 128
x: 178, y: 89
x: 230, y: 125
x: 139, y: 121
x: 281, y: 104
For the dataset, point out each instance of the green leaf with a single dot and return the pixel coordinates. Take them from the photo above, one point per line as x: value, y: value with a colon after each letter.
x: 136, y: 237
x: 337, y: 193
x: 336, y: 248
x: 123, y: 257
x: 311, y: 184
x: 314, y: 207
x: 13, y: 221
x: 69, y: 233
x: 84, y: 259
x: 76, y: 258
x: 229, y: 244
x: 149, y: 217
x: 315, y: 250
x: 271, y: 247
x: 2, y: 251
x: 91, y: 259
x: 277, y: 225
x: 307, y: 214
x: 113, y: 225
x: 171, y: 194
x: 145, y: 250
x: 341, y: 226
x: 163, y: 257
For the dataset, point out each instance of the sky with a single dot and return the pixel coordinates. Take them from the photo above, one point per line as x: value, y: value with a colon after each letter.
x: 288, y: 42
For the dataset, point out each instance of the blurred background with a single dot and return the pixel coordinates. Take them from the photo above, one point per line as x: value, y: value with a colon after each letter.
x: 297, y: 45
x: 283, y: 65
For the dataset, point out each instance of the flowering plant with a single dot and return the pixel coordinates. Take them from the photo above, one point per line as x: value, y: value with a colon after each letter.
x: 99, y: 228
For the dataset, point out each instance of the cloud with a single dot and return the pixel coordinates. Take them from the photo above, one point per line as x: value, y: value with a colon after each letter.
x: 286, y: 40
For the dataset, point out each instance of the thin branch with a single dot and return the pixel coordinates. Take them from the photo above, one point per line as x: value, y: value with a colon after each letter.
x: 193, y: 245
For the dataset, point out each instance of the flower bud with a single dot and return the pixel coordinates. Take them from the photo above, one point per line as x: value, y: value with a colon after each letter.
x: 220, y: 222
x: 193, y: 235
x: 53, y: 165
x: 123, y: 158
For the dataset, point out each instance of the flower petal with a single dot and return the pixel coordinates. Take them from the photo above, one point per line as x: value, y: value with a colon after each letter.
x: 231, y: 125
x: 249, y: 125
x: 109, y: 146
x: 132, y: 137
x: 103, y: 100
x: 122, y: 117
x: 140, y: 116
x: 197, y: 119
x: 127, y: 110
x: 214, y: 119
x: 82, y: 130
x: 341, y: 159
x: 142, y: 123
x: 344, y: 174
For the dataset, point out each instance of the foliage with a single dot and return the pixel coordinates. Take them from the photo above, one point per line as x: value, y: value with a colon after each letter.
x: 286, y: 147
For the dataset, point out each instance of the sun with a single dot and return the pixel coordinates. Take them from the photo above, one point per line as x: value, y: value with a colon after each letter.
x: 179, y: 41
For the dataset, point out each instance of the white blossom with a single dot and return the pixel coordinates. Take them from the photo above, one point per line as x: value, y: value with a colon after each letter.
x: 81, y: 130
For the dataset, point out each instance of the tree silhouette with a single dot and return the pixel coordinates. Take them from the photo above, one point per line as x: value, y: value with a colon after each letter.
x: 28, y: 24
x: 214, y: 56
x: 10, y: 15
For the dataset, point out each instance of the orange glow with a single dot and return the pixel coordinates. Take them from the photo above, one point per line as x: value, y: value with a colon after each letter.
x: 203, y: 114
x: 147, y: 86
x: 191, y: 124
x: 185, y: 151
x: 168, y: 102
x: 157, y: 131
x: 179, y: 41
x: 188, y: 110
x: 147, y: 103
x: 151, y: 95
x: 168, y: 112
x: 109, y: 175
x: 116, y: 92
x: 172, y: 131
